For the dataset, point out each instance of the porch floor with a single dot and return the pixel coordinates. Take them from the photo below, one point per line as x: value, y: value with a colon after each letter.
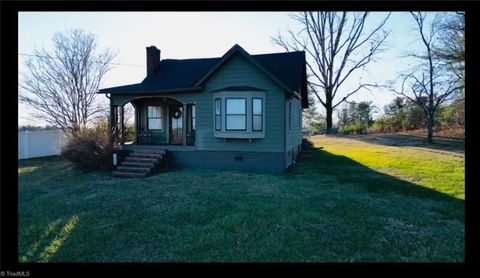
x: 130, y: 146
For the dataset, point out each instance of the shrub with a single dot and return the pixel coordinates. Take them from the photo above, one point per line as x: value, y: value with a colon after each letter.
x: 307, y: 144
x: 355, y: 128
x: 90, y: 148
x: 130, y: 133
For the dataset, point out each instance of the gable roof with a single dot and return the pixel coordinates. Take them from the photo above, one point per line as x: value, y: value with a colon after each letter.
x: 285, y: 69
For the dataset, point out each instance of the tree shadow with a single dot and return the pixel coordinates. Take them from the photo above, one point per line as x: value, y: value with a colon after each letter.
x: 319, y: 162
x: 402, y: 140
x: 386, y: 218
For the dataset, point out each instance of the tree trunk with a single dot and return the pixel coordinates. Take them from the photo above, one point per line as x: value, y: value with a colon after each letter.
x: 430, y: 124
x: 329, y: 110
x: 329, y: 120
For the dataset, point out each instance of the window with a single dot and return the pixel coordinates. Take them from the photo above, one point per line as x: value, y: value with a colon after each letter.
x: 290, y: 115
x: 154, y: 116
x: 218, y: 114
x: 236, y: 113
x: 239, y: 115
x: 193, y: 116
x: 257, y: 114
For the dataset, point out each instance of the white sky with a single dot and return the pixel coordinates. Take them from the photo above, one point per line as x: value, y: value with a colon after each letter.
x: 181, y: 35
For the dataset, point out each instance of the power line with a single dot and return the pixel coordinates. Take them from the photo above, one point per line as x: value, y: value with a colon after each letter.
x: 117, y: 64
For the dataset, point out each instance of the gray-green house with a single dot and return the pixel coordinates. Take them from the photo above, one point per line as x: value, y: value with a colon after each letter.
x: 236, y: 112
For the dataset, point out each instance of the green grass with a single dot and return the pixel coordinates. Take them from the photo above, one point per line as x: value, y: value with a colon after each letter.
x: 350, y: 201
x: 440, y: 172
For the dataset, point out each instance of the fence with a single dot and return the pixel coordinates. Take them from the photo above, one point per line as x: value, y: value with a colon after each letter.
x: 40, y: 143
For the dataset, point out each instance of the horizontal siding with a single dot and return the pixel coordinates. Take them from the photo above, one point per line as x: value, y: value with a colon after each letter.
x: 235, y: 72
x: 293, y: 135
x: 240, y: 72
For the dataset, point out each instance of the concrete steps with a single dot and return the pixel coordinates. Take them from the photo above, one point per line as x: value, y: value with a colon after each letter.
x: 141, y: 163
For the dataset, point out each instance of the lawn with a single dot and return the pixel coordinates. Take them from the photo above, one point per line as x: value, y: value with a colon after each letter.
x: 347, y: 200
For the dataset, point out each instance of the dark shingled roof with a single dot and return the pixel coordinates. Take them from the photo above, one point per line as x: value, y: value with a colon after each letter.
x: 287, y: 69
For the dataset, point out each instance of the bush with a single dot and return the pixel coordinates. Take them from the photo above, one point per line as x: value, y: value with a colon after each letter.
x: 307, y: 144
x: 130, y: 134
x: 355, y: 128
x: 90, y: 148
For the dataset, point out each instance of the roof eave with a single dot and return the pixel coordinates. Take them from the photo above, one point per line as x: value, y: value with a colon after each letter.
x: 175, y: 90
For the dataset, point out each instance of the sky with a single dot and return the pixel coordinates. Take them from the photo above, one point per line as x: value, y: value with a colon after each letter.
x: 182, y: 35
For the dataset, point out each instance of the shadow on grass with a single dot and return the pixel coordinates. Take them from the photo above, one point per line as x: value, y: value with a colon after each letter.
x: 402, y: 140
x: 326, y: 208
x: 317, y: 162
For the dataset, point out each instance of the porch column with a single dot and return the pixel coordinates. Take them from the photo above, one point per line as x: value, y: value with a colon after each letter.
x: 116, y: 123
x: 122, y: 126
x: 136, y: 121
x: 184, y: 125
x: 110, y: 124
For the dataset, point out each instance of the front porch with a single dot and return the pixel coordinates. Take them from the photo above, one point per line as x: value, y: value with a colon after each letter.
x: 159, y: 123
x: 131, y: 146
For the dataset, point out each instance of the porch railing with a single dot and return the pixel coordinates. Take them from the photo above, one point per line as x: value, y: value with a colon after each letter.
x: 148, y: 137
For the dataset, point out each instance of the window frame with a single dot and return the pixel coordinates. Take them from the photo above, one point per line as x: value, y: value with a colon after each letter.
x: 215, y: 114
x: 261, y: 114
x: 161, y: 118
x: 227, y: 114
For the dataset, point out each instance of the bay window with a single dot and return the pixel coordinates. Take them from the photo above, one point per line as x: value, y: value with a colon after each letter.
x: 236, y: 113
x: 218, y: 114
x: 257, y: 114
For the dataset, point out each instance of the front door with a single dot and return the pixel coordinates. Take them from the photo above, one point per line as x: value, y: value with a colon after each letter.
x: 175, y: 119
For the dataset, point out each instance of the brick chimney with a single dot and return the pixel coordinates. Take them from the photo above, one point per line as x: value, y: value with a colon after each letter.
x: 153, y: 59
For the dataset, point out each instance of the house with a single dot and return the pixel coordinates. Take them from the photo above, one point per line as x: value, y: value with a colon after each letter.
x: 236, y: 112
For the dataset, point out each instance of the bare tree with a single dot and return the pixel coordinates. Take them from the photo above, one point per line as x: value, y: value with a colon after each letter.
x: 451, y: 47
x: 338, y: 45
x: 61, y: 85
x: 430, y: 83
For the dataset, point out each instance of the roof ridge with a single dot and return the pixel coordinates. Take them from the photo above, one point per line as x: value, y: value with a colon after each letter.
x: 189, y: 59
x: 277, y: 53
x: 206, y: 58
